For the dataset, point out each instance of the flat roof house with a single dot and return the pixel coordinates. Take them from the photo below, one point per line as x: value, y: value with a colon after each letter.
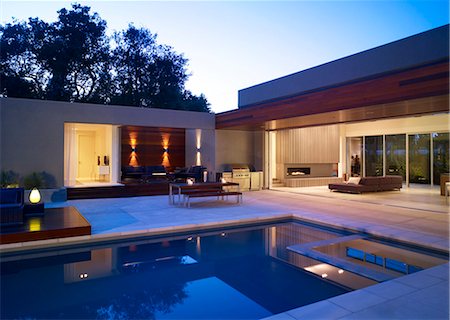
x: 387, y: 107
x: 384, y: 111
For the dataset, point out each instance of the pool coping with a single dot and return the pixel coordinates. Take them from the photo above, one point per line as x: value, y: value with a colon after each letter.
x: 162, y: 231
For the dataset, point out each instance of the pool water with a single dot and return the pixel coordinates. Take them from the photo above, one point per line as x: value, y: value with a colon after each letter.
x: 224, y: 274
x: 241, y: 273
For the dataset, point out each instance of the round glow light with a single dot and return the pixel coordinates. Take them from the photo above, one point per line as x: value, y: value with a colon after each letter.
x: 324, y: 275
x: 340, y: 271
x: 35, y: 196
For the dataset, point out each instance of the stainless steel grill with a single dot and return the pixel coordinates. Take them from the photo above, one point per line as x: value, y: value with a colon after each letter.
x: 243, y: 174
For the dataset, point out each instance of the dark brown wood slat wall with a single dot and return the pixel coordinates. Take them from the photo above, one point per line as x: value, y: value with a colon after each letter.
x: 149, y: 143
x: 426, y: 81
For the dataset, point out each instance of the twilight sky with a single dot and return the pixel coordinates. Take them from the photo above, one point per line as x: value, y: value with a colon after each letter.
x: 233, y: 45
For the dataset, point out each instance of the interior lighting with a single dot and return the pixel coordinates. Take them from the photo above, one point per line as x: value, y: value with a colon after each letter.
x: 189, y: 238
x: 340, y: 271
x: 83, y: 275
x: 35, y: 196
x: 223, y: 234
x: 189, y: 181
x: 324, y: 275
x: 223, y: 180
x: 133, y: 149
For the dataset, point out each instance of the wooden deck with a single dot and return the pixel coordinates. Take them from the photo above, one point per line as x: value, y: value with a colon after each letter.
x: 55, y: 223
x: 126, y: 190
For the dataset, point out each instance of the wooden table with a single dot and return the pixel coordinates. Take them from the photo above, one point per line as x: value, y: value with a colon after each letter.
x: 179, y: 188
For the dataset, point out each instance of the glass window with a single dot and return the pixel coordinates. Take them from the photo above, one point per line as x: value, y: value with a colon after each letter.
x: 355, y: 146
x: 419, y: 158
x: 374, y: 155
x: 440, y: 156
x: 396, y: 155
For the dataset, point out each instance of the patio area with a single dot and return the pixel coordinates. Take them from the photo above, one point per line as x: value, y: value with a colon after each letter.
x: 416, y: 216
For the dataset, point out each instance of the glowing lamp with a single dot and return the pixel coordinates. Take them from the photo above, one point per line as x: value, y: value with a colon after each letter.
x: 223, y: 180
x: 35, y: 207
x: 35, y: 196
x: 190, y: 182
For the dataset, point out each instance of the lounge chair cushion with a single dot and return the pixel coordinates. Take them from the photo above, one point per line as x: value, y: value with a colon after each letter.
x: 354, y: 180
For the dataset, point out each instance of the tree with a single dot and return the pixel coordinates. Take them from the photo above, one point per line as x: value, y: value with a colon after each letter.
x: 23, y: 73
x: 76, y: 55
x: 72, y: 59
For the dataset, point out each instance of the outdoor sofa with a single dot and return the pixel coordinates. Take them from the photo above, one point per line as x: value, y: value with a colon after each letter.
x: 11, y: 206
x: 144, y: 173
x: 194, y: 172
x: 368, y: 184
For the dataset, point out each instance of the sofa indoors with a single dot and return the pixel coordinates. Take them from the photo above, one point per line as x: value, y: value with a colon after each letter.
x: 11, y: 206
x: 368, y: 184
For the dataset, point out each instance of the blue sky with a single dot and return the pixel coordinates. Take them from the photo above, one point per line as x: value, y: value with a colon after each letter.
x: 232, y: 45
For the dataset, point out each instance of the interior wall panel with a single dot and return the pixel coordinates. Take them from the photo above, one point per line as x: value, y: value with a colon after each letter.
x: 307, y: 145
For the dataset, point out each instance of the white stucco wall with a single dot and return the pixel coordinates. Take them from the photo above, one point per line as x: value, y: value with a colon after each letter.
x: 240, y: 147
x: 32, y: 131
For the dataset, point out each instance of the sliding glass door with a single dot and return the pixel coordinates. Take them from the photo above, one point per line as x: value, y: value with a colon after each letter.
x: 373, y: 156
x: 440, y: 156
x: 419, y: 158
x: 396, y: 155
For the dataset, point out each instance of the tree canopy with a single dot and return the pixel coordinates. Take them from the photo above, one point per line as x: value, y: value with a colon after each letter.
x: 73, y: 59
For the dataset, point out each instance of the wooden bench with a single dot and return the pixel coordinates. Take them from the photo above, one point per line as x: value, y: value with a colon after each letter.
x: 210, y: 193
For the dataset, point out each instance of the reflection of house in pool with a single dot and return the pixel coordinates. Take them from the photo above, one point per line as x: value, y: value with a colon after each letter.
x: 387, y: 106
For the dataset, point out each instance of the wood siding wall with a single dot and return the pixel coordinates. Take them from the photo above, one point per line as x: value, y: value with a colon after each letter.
x: 149, y: 143
x: 426, y: 81
x: 306, y: 145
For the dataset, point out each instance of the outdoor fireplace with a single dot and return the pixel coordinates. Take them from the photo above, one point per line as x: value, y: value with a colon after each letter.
x: 298, y: 172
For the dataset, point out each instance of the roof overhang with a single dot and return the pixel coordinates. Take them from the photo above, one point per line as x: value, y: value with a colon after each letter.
x: 419, y: 90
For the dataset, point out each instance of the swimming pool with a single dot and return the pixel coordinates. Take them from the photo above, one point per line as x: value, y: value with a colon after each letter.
x: 240, y: 273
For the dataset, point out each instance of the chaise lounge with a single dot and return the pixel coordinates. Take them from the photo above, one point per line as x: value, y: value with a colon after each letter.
x: 368, y: 184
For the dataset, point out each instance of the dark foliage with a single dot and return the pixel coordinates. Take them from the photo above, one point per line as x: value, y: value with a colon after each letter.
x: 73, y: 59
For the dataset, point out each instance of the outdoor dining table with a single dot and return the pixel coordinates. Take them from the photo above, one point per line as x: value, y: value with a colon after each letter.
x: 179, y: 188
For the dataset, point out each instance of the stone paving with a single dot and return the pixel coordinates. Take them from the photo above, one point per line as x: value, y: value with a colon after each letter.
x: 423, y: 295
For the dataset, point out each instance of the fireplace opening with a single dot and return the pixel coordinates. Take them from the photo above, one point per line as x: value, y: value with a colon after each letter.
x: 298, y: 172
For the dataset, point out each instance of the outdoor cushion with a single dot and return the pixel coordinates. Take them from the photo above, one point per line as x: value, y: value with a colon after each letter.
x: 11, y: 195
x: 354, y: 180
